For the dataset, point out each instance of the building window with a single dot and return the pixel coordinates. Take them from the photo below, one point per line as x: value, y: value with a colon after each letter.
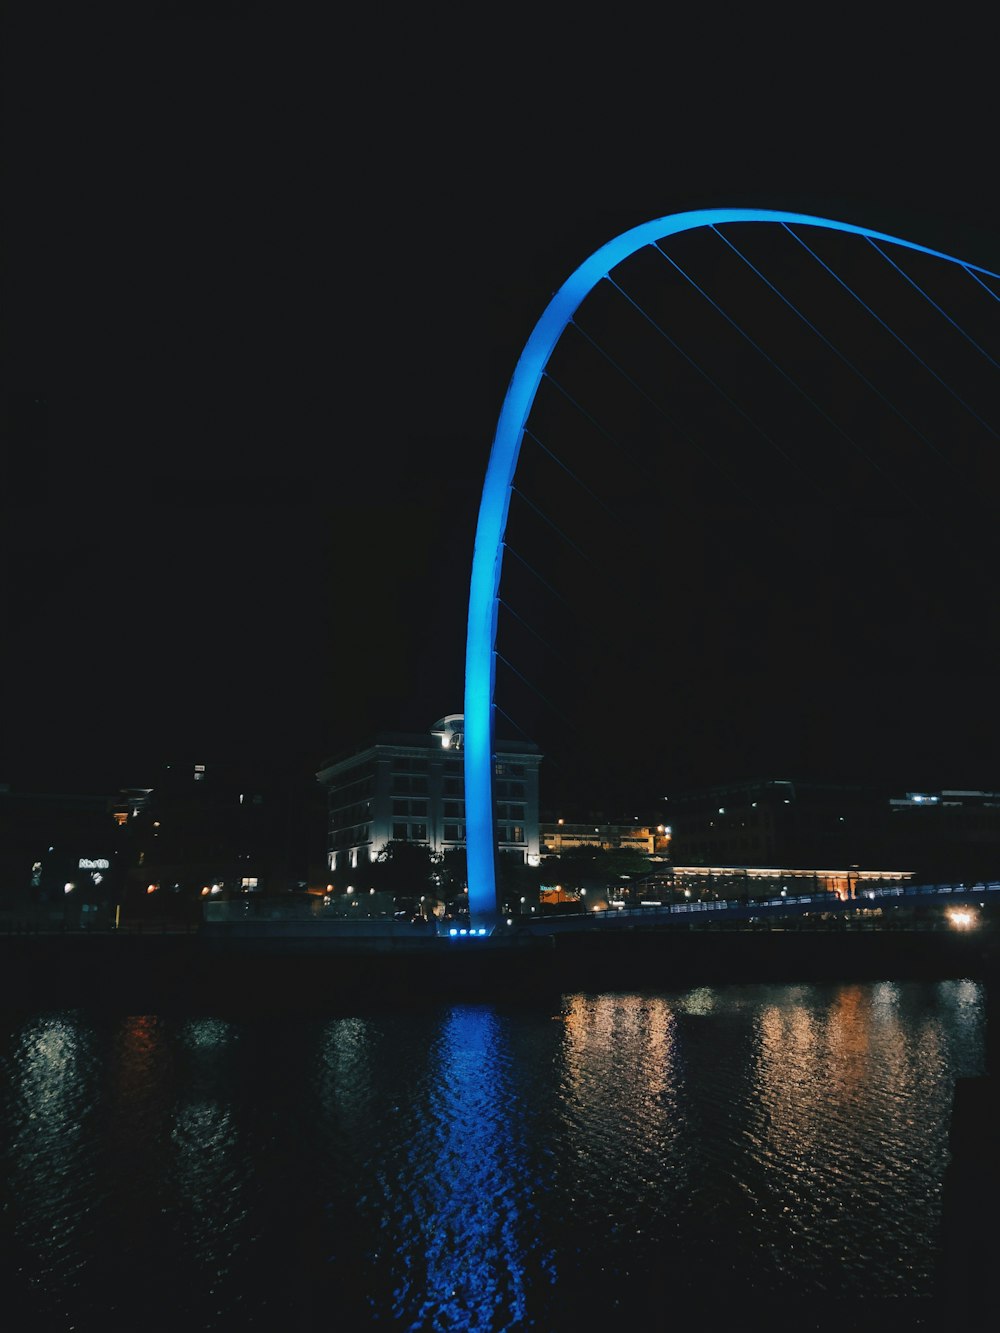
x: 453, y: 810
x: 418, y: 832
x: 453, y: 787
x: 404, y: 764
x: 409, y: 808
x: 453, y: 832
x: 516, y: 833
x: 399, y: 832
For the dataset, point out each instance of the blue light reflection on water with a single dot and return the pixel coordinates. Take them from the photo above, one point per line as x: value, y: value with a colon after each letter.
x: 472, y: 1213
x: 480, y: 1166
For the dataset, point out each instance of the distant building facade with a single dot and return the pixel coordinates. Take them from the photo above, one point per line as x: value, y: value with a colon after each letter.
x: 61, y: 857
x: 652, y: 840
x: 411, y: 788
x: 761, y: 882
x: 949, y: 833
x: 945, y: 835
x: 219, y: 829
x: 779, y: 823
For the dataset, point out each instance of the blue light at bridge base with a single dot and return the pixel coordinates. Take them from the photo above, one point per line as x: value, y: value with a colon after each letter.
x: 487, y: 558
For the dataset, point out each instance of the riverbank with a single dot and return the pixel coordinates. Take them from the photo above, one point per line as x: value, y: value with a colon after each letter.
x: 146, y: 973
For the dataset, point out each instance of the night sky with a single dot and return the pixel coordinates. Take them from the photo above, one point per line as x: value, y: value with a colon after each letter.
x: 267, y: 291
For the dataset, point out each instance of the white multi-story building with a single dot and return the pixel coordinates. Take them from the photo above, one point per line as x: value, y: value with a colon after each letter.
x: 411, y: 788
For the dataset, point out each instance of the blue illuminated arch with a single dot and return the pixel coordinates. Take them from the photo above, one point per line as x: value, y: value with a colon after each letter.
x: 487, y: 557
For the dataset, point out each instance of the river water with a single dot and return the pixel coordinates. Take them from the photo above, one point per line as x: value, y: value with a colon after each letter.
x: 480, y: 1166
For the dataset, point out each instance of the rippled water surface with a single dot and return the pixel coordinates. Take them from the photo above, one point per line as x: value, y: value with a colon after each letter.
x: 479, y: 1166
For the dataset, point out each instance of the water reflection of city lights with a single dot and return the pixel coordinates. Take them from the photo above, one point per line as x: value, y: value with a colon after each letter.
x: 207, y: 1032
x: 476, y: 1200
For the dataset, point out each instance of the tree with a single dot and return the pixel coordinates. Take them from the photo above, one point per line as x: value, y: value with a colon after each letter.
x: 452, y: 873
x: 404, y: 868
x: 515, y: 880
x: 583, y: 866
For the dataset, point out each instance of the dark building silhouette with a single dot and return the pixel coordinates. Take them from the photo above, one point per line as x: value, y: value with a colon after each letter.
x: 62, y: 858
x: 155, y: 852
x: 949, y: 833
x: 945, y: 835
x: 222, y: 829
x: 779, y: 822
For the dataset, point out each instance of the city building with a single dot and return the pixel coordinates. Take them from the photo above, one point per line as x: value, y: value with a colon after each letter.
x: 939, y: 835
x: 780, y: 823
x: 558, y: 836
x: 411, y: 788
x: 740, y: 883
x: 62, y: 858
x: 949, y: 833
x: 218, y: 829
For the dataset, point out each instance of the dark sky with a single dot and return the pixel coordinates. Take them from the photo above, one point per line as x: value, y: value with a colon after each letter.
x: 268, y: 287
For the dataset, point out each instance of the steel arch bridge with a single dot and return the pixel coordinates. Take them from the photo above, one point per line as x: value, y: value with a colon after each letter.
x: 481, y: 633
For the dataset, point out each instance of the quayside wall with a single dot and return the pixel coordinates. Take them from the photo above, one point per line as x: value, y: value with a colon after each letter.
x: 197, y: 973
